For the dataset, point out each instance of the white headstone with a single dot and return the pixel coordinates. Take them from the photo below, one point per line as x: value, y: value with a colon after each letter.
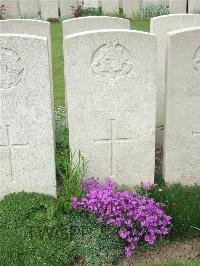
x: 130, y: 7
x: 28, y: 6
x: 29, y: 26
x: 91, y: 3
x: 110, y: 6
x: 160, y: 26
x: 49, y: 9
x: 11, y: 8
x: 193, y: 5
x: 110, y: 79
x: 67, y: 7
x: 177, y: 6
x: 26, y: 125
x: 81, y: 24
x: 182, y: 135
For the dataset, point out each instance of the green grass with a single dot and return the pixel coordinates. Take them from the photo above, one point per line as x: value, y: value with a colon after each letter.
x: 58, y: 62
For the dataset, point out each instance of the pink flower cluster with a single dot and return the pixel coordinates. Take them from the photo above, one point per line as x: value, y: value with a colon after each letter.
x: 139, y: 218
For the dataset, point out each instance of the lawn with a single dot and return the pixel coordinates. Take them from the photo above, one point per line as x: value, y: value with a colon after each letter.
x: 57, y: 57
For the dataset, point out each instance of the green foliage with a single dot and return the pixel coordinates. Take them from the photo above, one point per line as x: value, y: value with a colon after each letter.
x: 148, y: 11
x: 96, y: 243
x: 28, y: 15
x: 119, y: 14
x: 62, y: 134
x: 91, y: 11
x: 70, y: 167
x: 32, y: 232
x: 183, y: 204
x: 196, y: 11
x: 72, y: 170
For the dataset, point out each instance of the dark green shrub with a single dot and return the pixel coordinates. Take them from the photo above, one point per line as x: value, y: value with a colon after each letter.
x: 96, y: 243
x: 91, y: 11
x: 183, y: 204
x: 33, y: 232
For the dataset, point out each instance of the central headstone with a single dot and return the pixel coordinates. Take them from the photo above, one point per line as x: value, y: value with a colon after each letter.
x: 111, y: 102
x: 27, y: 160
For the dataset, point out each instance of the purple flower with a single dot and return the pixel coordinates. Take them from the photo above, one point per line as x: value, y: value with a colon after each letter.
x: 148, y: 186
x: 138, y: 218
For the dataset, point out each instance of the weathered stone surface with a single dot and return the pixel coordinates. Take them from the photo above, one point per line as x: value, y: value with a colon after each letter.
x: 29, y: 26
x: 110, y: 6
x: 28, y: 6
x: 66, y: 7
x: 26, y: 125
x: 160, y: 26
x: 110, y: 80
x: 177, y: 6
x: 91, y: 3
x: 49, y: 9
x: 11, y: 8
x: 130, y: 6
x: 182, y: 134
x: 77, y: 25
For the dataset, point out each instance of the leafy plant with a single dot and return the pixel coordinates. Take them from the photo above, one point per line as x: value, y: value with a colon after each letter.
x: 182, y: 203
x: 29, y: 15
x: 148, y: 11
x: 96, y: 243
x: 91, y: 11
x: 196, y: 11
x: 72, y: 170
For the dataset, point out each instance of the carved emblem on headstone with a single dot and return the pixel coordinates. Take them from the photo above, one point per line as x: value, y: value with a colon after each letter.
x: 196, y: 59
x: 110, y: 63
x: 11, y: 69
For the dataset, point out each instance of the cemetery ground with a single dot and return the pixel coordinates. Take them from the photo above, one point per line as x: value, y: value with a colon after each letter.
x: 36, y: 229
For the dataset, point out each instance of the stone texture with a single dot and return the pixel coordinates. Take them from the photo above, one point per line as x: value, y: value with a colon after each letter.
x: 29, y: 26
x: 194, y: 4
x: 110, y: 6
x: 11, y: 8
x: 182, y: 135
x: 91, y: 3
x: 177, y: 6
x: 28, y: 6
x: 77, y: 25
x: 66, y: 7
x: 49, y: 9
x: 110, y: 79
x: 26, y: 126
x: 160, y: 26
x: 130, y: 6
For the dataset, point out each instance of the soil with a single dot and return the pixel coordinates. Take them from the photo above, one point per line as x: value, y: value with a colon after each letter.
x: 174, y: 251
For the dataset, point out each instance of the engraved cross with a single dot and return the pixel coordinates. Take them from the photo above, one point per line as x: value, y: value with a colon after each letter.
x: 10, y: 146
x: 112, y: 141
